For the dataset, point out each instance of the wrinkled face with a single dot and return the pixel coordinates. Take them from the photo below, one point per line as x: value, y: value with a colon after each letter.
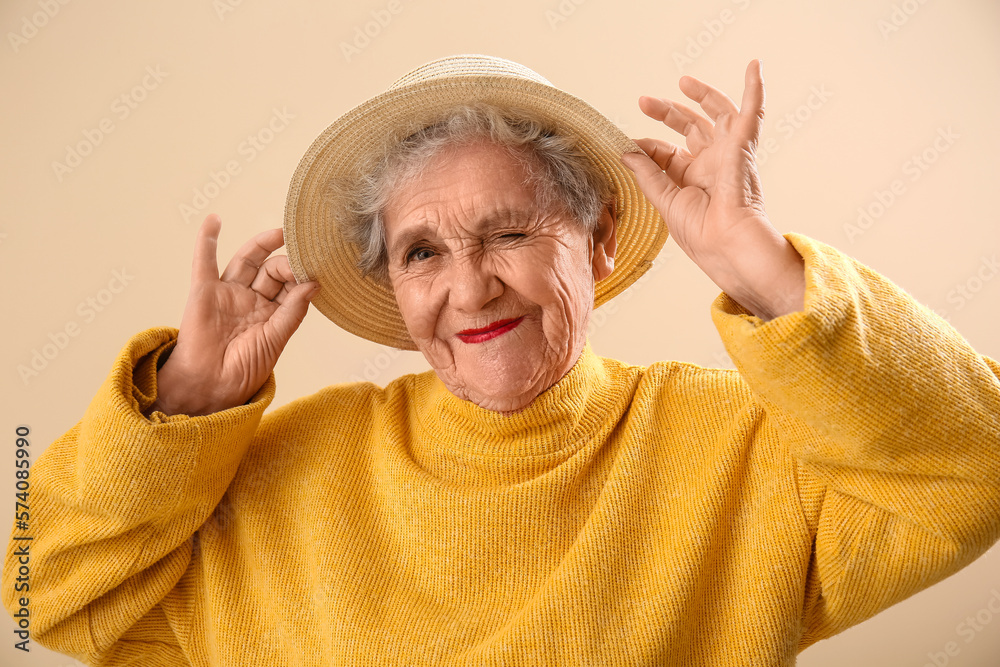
x: 495, y: 293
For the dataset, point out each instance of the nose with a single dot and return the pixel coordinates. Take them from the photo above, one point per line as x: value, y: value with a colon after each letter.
x: 472, y: 284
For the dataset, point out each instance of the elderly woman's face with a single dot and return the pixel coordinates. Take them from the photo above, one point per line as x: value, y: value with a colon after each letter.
x: 495, y: 293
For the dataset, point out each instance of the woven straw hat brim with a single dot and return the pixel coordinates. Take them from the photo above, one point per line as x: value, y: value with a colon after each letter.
x: 317, y: 250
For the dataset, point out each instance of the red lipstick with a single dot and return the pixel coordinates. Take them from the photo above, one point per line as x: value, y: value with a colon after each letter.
x: 498, y: 328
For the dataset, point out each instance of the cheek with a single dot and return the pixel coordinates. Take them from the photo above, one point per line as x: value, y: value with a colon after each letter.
x: 417, y: 306
x: 553, y: 280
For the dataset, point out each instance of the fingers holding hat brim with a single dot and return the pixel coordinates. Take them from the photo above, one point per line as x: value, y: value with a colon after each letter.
x: 245, y: 264
x: 670, y: 158
x: 660, y: 171
x: 274, y: 278
x: 698, y: 130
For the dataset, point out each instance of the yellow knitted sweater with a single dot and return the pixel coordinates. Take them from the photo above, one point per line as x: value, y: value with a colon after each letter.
x: 661, y: 515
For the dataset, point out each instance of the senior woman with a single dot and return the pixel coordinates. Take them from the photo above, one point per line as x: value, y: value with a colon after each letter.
x: 527, y: 502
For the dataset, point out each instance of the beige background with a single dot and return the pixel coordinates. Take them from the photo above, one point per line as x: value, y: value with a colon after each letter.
x: 855, y: 90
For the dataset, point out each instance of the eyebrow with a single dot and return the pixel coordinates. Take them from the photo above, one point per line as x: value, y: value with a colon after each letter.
x: 421, y: 230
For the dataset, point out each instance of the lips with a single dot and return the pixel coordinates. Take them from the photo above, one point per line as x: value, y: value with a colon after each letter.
x: 493, y: 330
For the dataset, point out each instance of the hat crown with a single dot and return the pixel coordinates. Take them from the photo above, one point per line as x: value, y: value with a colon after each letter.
x: 468, y: 65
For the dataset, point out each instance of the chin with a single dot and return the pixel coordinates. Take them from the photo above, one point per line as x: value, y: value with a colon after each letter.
x: 502, y: 399
x: 504, y: 404
x: 502, y: 392
x: 511, y: 386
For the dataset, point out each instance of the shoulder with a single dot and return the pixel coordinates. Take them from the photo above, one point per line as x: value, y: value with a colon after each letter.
x: 324, y: 432
x: 683, y: 396
x: 678, y: 380
x: 342, y: 405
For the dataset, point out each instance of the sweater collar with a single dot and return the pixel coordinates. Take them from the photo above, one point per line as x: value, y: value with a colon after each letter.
x: 559, y: 421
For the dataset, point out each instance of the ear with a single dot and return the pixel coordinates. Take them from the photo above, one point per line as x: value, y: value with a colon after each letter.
x: 605, y: 243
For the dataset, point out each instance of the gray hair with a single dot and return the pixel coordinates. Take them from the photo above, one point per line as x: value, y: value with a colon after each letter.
x: 561, y: 174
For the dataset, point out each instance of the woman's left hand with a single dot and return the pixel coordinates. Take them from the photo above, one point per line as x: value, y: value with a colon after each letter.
x: 710, y: 195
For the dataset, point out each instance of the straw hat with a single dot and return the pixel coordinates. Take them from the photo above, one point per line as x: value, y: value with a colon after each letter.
x: 316, y: 247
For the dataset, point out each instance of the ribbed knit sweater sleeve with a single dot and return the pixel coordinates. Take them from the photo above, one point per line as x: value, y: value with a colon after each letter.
x: 112, y: 541
x: 895, y: 424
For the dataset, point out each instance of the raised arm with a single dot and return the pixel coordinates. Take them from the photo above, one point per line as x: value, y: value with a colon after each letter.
x: 892, y: 417
x: 234, y: 327
x: 893, y: 420
x: 710, y: 195
x: 118, y: 501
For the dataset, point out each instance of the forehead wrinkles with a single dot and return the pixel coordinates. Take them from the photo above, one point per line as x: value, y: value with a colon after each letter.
x: 463, y: 201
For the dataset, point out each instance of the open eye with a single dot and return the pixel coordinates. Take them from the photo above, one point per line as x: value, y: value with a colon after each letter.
x: 420, y: 254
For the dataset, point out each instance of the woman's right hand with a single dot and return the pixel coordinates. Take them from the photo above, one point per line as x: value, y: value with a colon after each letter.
x: 234, y: 327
